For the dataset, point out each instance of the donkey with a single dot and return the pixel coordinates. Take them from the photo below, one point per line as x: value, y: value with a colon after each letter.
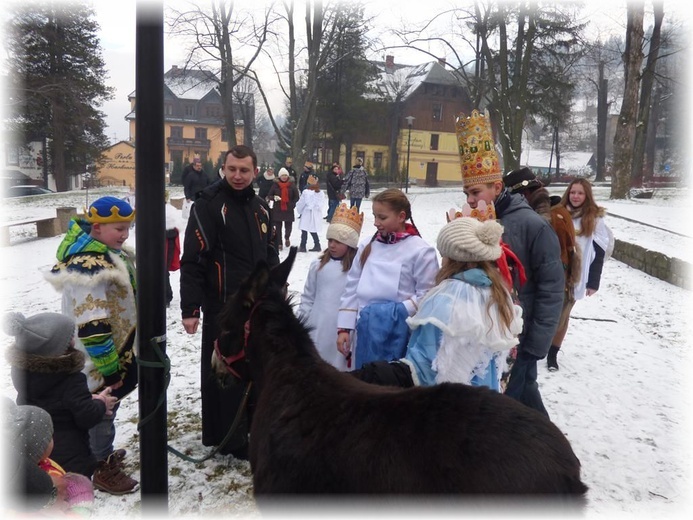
x: 316, y: 430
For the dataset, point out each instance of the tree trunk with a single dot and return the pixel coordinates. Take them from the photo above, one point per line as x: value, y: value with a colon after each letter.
x: 648, y: 78
x: 58, y: 145
x: 602, y: 114
x: 651, y: 141
x: 625, y: 131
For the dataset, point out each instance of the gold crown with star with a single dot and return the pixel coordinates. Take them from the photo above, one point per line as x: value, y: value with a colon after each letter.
x: 482, y: 212
x: 478, y: 158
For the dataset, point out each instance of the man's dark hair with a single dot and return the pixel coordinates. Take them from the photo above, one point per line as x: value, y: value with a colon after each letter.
x: 241, y: 151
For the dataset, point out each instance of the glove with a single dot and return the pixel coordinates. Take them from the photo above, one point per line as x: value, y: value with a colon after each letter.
x: 277, y: 198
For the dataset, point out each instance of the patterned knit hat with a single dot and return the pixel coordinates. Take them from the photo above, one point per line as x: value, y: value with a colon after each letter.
x: 345, y: 226
x: 46, y: 334
x: 478, y: 157
x: 466, y: 239
x: 107, y: 210
x: 29, y: 429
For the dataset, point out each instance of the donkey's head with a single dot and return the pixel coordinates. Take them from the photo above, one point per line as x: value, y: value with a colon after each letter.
x: 231, y: 356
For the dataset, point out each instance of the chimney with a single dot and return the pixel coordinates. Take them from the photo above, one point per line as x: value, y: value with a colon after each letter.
x: 442, y: 61
x: 389, y: 62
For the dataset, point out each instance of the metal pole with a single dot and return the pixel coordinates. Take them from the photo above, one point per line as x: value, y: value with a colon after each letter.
x: 151, y: 265
x: 406, y: 189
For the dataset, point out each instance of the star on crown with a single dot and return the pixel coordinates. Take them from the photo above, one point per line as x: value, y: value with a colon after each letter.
x: 482, y: 212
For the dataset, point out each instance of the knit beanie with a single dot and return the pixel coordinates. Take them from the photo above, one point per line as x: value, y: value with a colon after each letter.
x: 283, y: 172
x: 465, y: 239
x: 345, y: 226
x: 30, y: 430
x: 46, y: 334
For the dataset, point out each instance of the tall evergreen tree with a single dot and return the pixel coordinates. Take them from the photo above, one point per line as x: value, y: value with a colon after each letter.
x: 57, y: 72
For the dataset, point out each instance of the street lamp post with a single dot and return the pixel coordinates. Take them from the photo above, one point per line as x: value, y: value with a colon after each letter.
x: 410, y: 120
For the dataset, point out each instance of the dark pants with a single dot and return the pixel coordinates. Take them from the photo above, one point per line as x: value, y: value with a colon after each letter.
x: 331, y: 208
x: 288, y: 226
x: 523, y: 384
x: 356, y: 202
x: 384, y: 373
x: 219, y: 405
x: 304, y: 239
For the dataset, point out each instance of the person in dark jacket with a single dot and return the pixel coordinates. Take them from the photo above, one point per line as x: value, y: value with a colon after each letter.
x: 288, y: 166
x: 534, y: 242
x: 284, y: 196
x: 229, y: 234
x: 46, y: 372
x: 264, y: 182
x: 334, y: 186
x: 305, y: 174
x: 195, y: 180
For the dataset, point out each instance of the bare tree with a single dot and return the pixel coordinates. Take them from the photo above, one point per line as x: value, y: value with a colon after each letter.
x: 226, y: 41
x: 625, y: 130
x: 299, y: 79
x: 647, y: 84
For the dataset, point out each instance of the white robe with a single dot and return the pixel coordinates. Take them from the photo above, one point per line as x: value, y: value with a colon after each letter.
x: 311, y: 207
x: 603, y: 238
x: 319, y: 304
x: 400, y: 272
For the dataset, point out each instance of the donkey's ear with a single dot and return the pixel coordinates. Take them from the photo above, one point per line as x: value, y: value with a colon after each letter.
x: 256, y: 284
x: 280, y: 274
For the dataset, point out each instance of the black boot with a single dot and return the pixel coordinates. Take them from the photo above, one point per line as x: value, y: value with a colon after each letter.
x: 551, y: 358
x: 317, y: 247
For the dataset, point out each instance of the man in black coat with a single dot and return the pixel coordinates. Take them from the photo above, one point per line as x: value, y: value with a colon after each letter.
x: 194, y: 180
x: 230, y: 233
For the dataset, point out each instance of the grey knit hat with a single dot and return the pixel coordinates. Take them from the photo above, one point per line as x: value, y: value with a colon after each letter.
x: 29, y: 429
x: 46, y: 334
x: 466, y: 239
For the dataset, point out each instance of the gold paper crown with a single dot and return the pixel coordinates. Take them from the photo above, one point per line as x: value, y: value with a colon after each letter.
x: 482, y: 212
x: 478, y: 157
x: 348, y: 217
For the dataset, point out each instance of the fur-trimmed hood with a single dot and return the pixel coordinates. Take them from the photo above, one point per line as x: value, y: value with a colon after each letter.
x: 70, y: 362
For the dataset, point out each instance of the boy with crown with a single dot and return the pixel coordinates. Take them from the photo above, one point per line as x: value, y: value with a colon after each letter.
x: 534, y: 242
x: 96, y: 275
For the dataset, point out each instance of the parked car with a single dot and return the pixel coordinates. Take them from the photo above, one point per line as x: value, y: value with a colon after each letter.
x: 29, y: 189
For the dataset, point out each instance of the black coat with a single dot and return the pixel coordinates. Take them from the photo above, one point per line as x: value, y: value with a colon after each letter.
x: 228, y: 232
x: 194, y: 182
x: 334, y: 185
x: 57, y: 385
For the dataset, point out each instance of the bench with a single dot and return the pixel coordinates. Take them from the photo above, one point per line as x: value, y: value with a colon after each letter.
x: 45, y: 226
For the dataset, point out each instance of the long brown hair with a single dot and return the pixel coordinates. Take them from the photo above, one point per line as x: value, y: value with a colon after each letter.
x: 589, y: 211
x: 499, y: 293
x: 397, y: 201
x: 347, y: 259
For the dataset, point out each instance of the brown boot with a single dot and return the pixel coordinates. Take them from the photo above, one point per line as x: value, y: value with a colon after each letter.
x: 109, y: 476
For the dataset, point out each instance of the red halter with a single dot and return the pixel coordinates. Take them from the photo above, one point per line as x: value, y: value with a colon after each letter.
x: 229, y: 360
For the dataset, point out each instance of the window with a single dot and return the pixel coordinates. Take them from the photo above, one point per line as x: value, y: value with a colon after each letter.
x: 213, y: 111
x: 177, y: 156
x: 434, y: 141
x: 189, y: 110
x: 168, y: 109
x: 224, y: 135
x: 377, y: 160
x: 200, y: 134
x: 177, y: 132
x: 437, y: 112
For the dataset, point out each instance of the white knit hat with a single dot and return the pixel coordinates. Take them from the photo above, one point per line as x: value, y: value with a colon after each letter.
x: 283, y: 172
x: 345, y: 226
x: 465, y: 239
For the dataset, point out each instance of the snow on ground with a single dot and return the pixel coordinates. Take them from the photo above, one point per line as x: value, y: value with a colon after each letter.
x: 622, y: 395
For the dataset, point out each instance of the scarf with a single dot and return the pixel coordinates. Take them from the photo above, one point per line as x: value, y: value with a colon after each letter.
x: 393, y: 238
x: 505, y: 268
x: 284, y: 187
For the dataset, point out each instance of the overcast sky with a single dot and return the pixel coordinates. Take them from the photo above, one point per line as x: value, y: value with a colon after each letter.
x: 117, y: 21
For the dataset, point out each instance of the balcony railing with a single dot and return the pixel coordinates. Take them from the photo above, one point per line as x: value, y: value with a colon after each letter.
x: 186, y: 142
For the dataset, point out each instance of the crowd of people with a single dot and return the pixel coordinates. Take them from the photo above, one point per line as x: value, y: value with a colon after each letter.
x: 514, y: 261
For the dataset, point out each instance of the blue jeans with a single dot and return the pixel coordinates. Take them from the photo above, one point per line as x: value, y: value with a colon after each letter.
x: 523, y: 385
x: 102, y: 435
x: 331, y: 208
x: 356, y: 202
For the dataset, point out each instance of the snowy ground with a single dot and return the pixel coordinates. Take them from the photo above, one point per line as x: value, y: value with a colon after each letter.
x: 622, y: 395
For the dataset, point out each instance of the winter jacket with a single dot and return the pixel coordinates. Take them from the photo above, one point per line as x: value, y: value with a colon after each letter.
x: 356, y: 183
x: 98, y: 286
x: 303, y: 179
x: 228, y: 232
x: 264, y: 183
x: 283, y: 209
x: 334, y: 186
x: 535, y: 243
x: 194, y: 182
x: 57, y: 385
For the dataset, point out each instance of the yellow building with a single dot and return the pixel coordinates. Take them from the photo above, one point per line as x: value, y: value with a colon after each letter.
x: 193, y: 126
